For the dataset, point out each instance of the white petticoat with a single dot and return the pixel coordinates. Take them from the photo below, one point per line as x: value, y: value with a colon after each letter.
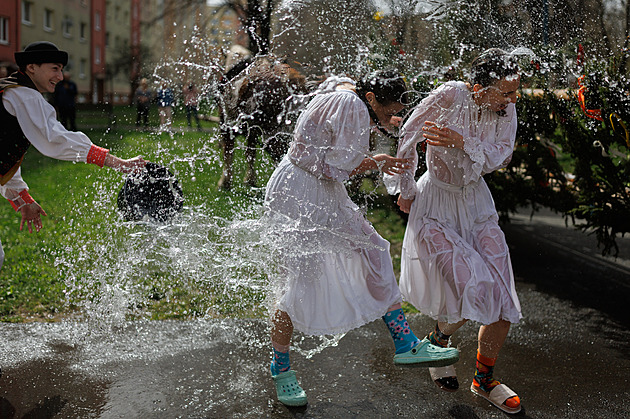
x: 337, y: 272
x: 455, y: 260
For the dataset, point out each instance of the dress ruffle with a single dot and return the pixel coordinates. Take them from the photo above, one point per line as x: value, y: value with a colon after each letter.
x: 455, y: 260
x: 337, y: 273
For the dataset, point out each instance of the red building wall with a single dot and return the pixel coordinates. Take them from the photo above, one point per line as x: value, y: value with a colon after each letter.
x: 135, y: 40
x: 11, y: 11
x: 97, y: 43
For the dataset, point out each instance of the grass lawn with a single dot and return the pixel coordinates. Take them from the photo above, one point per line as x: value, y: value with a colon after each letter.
x: 87, y: 259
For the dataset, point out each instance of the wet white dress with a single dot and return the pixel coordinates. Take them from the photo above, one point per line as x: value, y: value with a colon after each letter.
x: 455, y: 260
x: 336, y: 271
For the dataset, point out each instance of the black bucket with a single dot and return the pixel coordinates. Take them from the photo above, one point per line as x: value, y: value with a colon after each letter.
x: 152, y: 194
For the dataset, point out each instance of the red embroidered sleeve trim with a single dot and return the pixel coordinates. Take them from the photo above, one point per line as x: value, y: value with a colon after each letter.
x: 28, y: 199
x: 97, y: 155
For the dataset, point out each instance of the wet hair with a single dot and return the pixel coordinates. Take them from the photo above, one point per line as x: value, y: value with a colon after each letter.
x: 388, y: 87
x: 493, y: 65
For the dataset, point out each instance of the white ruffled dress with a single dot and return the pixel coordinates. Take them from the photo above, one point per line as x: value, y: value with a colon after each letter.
x: 336, y: 271
x: 455, y: 260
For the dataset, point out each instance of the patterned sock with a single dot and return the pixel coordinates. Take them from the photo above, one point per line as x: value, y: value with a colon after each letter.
x: 484, y: 371
x: 438, y: 338
x: 404, y: 339
x: 280, y: 362
x: 485, y: 381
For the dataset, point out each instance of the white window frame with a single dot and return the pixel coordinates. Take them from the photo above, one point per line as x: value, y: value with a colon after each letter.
x: 4, y: 30
x: 82, y: 68
x: 49, y: 18
x: 66, y: 25
x: 27, y: 13
x: 82, y: 31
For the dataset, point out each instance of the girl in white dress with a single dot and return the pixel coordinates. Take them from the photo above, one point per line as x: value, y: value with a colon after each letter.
x: 455, y: 261
x: 338, y: 273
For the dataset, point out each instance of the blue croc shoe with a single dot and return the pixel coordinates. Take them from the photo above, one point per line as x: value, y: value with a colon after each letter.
x: 425, y: 354
x: 289, y: 391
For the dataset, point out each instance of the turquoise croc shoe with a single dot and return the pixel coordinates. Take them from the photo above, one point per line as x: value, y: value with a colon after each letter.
x: 424, y: 354
x: 289, y: 391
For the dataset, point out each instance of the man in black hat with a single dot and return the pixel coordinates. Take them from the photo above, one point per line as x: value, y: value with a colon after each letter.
x: 26, y: 119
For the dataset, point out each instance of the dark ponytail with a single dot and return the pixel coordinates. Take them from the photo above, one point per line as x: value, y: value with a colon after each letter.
x: 493, y: 65
x: 388, y: 87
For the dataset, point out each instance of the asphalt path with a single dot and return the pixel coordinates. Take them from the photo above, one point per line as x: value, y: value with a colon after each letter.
x: 568, y: 358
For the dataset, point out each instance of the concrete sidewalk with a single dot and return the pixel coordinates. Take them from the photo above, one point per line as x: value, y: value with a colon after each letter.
x: 568, y: 358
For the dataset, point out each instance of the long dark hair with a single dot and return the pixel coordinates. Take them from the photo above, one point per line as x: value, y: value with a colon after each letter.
x: 388, y: 87
x: 493, y: 65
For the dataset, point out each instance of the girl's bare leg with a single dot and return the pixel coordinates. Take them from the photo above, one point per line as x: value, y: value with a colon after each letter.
x: 281, y: 329
x: 450, y: 328
x: 492, y: 337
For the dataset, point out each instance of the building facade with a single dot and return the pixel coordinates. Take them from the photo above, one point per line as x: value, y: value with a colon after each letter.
x: 111, y: 44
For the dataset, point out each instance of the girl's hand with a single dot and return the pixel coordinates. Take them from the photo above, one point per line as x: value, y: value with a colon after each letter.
x: 441, y: 136
x: 391, y: 165
x: 395, y: 121
x: 405, y: 204
x: 31, y: 215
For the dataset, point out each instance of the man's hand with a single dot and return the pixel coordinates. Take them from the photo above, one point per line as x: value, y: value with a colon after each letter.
x: 31, y: 215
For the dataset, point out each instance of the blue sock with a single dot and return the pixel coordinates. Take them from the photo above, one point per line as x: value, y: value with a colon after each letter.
x: 404, y: 339
x: 280, y: 362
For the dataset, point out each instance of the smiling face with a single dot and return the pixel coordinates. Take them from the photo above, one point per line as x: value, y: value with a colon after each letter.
x: 499, y: 95
x: 45, y: 76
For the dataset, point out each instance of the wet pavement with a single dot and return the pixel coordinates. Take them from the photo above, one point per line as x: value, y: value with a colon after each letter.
x: 568, y: 358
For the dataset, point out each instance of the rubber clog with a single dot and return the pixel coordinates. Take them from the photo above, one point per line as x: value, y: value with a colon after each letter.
x: 497, y: 396
x: 445, y: 378
x: 425, y: 354
x: 288, y: 390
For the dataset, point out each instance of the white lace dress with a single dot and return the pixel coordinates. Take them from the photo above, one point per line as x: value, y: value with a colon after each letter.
x: 455, y: 260
x: 336, y: 270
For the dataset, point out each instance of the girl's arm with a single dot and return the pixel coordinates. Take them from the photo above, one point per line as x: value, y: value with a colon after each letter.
x: 384, y: 163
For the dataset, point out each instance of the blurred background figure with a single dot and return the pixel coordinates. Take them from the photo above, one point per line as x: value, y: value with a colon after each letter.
x: 165, y: 99
x: 142, y: 98
x: 65, y: 101
x: 191, y: 101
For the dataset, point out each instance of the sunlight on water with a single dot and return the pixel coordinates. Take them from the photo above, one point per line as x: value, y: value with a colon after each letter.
x: 228, y: 266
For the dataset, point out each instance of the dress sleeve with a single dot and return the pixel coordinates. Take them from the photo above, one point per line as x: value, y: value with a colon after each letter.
x: 432, y: 108
x: 350, y: 126
x: 14, y: 186
x: 38, y: 121
x: 489, y: 155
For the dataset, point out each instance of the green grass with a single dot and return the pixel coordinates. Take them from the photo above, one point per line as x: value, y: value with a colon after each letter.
x: 85, y: 256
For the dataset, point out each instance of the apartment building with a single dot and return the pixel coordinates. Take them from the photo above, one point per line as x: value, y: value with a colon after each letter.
x: 111, y: 43
x: 94, y: 32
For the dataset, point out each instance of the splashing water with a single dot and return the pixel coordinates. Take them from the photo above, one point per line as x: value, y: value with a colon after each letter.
x: 218, y: 258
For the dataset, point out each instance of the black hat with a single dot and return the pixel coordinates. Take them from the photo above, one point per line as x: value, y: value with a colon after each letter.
x: 153, y: 194
x: 41, y: 52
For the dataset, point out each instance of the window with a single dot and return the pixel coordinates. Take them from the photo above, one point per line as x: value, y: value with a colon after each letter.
x: 82, y: 31
x: 97, y: 21
x: 48, y: 20
x: 97, y: 54
x: 82, y: 67
x: 4, y: 30
x: 66, y: 25
x: 27, y: 12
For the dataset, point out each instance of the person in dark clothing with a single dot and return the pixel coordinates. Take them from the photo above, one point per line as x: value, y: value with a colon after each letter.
x: 65, y: 100
x: 142, y: 98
